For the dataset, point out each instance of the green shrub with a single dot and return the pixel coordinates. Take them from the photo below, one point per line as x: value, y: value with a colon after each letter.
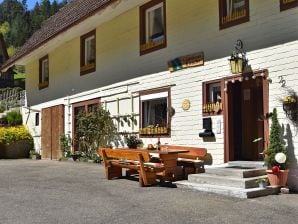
x: 9, y: 135
x: 2, y: 108
x: 14, y: 118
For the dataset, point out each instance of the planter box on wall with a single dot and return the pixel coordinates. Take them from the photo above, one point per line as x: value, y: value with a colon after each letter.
x: 16, y: 150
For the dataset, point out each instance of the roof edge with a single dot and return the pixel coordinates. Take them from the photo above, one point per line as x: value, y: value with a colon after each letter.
x: 6, y: 66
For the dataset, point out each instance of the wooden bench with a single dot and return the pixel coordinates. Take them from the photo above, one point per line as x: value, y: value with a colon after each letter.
x: 191, y: 161
x: 139, y: 160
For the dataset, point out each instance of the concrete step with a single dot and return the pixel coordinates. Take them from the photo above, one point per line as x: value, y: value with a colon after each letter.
x: 253, y: 164
x: 231, y: 181
x: 228, y: 191
x: 236, y: 171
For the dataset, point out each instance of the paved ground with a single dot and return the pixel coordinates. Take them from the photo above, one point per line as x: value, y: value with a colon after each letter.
x: 64, y: 192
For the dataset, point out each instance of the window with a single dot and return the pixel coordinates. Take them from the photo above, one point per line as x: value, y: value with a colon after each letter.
x: 288, y: 4
x: 154, y: 112
x: 88, y: 53
x: 36, y: 119
x: 233, y: 12
x: 212, y: 95
x: 152, y: 26
x: 43, y: 72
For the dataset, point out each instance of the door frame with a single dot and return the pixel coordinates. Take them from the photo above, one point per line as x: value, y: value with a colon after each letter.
x: 84, y: 104
x: 228, y: 143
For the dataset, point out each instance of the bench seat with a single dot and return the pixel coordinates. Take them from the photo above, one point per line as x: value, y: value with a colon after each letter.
x: 135, y: 161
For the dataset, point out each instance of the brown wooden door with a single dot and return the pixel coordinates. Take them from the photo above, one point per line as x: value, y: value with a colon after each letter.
x: 52, y: 126
x: 252, y: 110
x: 245, y: 104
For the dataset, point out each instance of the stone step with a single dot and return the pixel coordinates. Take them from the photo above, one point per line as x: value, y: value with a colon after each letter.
x: 236, y: 171
x: 254, y: 164
x: 231, y: 181
x: 228, y: 191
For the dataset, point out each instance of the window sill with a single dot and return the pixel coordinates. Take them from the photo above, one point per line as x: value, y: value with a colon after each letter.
x: 87, y: 69
x: 153, y: 132
x: 212, y: 109
x: 43, y: 85
x: 152, y: 46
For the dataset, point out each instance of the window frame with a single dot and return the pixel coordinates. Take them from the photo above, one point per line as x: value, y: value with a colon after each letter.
x: 85, y: 104
x: 233, y: 22
x: 84, y: 67
x: 144, y: 27
x: 286, y: 6
x: 206, y: 92
x: 169, y: 106
x: 43, y: 82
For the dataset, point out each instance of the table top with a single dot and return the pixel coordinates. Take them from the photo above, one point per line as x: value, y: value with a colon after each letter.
x: 167, y: 151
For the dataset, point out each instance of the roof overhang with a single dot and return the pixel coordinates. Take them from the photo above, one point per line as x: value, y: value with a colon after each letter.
x: 103, y: 15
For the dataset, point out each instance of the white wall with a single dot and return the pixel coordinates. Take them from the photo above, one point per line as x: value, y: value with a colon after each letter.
x: 270, y: 39
x: 191, y: 28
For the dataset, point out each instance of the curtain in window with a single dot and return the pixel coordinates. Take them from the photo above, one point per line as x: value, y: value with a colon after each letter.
x: 90, y: 50
x: 234, y: 5
x: 155, y: 112
x: 45, y: 72
x: 155, y: 24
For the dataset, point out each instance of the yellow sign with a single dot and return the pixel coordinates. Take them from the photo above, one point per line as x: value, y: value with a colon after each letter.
x: 186, y: 61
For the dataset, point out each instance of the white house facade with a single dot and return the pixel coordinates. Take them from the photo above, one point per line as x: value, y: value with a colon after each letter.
x: 162, y: 68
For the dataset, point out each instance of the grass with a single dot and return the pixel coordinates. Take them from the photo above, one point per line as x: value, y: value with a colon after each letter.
x: 19, y: 76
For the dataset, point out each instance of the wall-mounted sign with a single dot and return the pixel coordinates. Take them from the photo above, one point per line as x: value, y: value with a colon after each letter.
x: 185, y: 104
x: 187, y: 61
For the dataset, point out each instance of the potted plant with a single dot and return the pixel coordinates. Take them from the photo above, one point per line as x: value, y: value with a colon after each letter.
x: 263, y: 182
x: 132, y: 141
x: 34, y: 155
x: 76, y: 155
x: 276, y: 157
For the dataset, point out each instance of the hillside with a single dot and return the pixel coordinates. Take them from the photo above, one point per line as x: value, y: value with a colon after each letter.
x: 17, y: 23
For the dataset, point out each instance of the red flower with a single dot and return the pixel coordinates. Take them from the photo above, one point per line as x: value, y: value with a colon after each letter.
x: 275, y: 169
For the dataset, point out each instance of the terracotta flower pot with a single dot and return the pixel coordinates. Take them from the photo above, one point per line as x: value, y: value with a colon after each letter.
x: 278, y: 179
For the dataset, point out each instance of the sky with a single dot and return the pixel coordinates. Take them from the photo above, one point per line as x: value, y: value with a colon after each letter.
x: 30, y: 3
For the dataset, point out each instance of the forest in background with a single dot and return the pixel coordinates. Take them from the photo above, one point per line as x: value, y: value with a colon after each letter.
x: 18, y: 23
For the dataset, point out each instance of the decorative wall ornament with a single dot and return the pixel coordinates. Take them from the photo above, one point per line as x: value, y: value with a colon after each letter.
x: 186, y: 104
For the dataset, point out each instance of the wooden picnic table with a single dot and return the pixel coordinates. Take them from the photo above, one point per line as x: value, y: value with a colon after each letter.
x: 169, y: 159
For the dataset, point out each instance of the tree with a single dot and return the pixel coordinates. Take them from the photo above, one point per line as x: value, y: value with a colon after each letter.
x: 54, y: 7
x: 94, y: 129
x: 4, y: 29
x: 276, y: 144
x: 17, y: 23
x: 19, y: 32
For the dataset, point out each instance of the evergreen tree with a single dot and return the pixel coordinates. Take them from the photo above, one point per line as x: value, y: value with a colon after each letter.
x: 54, y: 7
x: 276, y: 144
x: 17, y: 23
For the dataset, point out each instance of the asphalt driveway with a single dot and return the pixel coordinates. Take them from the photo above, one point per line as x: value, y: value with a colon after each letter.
x: 67, y: 192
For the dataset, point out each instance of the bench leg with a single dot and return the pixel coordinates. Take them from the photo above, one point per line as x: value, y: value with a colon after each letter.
x: 113, y: 172
x: 149, y: 178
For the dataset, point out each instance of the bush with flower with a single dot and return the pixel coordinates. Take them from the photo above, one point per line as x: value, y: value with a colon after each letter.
x: 289, y: 100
